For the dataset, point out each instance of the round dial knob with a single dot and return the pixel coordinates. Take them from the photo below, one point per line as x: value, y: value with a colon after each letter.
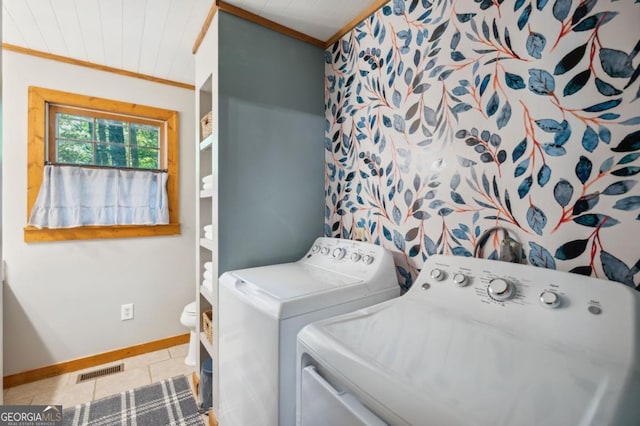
x: 368, y: 260
x: 339, y: 253
x: 325, y: 250
x: 549, y: 299
x: 315, y: 248
x: 437, y: 274
x: 501, y: 289
x: 355, y: 257
x: 460, y: 279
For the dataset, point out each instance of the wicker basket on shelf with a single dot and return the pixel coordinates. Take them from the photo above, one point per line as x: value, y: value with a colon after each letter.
x: 207, y: 124
x: 207, y: 325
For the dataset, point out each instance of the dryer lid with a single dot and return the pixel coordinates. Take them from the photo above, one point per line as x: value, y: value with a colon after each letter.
x: 423, y: 363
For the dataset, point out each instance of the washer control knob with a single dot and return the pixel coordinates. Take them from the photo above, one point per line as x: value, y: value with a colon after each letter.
x: 501, y: 289
x: 355, y: 257
x: 594, y: 309
x: 368, y: 260
x: 437, y: 274
x: 460, y: 279
x: 325, y: 250
x: 315, y: 248
x: 339, y: 253
x: 549, y: 299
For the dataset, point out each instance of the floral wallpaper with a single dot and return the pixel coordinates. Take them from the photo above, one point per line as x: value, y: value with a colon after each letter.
x: 445, y: 118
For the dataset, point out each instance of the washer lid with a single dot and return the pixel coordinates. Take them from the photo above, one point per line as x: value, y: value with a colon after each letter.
x: 293, y: 280
x: 291, y: 289
x: 424, y: 363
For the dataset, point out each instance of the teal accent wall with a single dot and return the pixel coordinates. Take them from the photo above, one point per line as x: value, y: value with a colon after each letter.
x: 271, y: 151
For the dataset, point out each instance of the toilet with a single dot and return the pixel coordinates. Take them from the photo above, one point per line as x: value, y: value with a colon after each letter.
x: 188, y: 319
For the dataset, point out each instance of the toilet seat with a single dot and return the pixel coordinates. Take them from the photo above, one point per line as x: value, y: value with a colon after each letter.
x: 190, y: 309
x: 189, y: 317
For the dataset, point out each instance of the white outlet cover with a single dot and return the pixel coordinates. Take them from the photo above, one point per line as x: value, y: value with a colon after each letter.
x: 126, y: 312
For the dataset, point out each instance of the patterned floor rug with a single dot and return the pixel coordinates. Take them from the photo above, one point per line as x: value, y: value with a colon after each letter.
x: 169, y: 402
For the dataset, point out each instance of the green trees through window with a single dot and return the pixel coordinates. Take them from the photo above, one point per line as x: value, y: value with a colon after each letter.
x: 105, y: 140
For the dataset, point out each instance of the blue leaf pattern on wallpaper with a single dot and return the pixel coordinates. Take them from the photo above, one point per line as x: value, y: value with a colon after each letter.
x: 541, y: 82
x: 447, y: 117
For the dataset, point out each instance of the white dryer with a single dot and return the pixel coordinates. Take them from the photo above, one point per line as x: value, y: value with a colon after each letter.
x: 261, y: 310
x: 478, y: 342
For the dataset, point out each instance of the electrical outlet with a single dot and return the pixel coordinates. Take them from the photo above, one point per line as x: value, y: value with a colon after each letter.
x: 126, y: 312
x: 511, y: 251
x: 359, y: 233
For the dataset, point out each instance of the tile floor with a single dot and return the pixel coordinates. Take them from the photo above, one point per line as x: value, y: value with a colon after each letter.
x: 138, y: 371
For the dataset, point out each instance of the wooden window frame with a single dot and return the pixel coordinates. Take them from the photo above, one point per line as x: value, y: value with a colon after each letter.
x: 39, y: 98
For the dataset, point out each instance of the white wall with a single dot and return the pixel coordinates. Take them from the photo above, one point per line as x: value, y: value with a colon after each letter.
x: 62, y: 299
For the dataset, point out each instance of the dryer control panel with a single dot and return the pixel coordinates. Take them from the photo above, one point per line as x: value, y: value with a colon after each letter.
x: 563, y: 307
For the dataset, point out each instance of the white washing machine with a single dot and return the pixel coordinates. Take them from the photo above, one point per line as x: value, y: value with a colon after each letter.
x: 478, y: 342
x: 262, y: 309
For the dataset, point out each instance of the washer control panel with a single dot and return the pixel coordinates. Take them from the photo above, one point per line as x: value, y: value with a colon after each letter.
x: 339, y: 250
x: 354, y: 258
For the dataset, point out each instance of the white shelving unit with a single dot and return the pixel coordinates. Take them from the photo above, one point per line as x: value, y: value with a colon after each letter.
x: 207, y: 244
x: 207, y: 294
x: 210, y: 140
x: 265, y: 150
x: 207, y: 211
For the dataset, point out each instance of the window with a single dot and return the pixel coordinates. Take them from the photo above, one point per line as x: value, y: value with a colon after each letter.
x: 76, y: 130
x: 81, y: 137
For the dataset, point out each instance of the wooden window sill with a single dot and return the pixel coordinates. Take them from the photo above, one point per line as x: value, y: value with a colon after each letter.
x: 34, y: 235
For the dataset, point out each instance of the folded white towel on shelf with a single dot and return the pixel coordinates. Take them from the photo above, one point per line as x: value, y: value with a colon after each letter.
x: 208, y: 284
x: 207, y: 275
x: 208, y: 232
x: 207, y: 179
x: 207, y: 187
x: 208, y: 266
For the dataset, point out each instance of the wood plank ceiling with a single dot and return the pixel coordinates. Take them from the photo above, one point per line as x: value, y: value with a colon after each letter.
x: 152, y: 37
